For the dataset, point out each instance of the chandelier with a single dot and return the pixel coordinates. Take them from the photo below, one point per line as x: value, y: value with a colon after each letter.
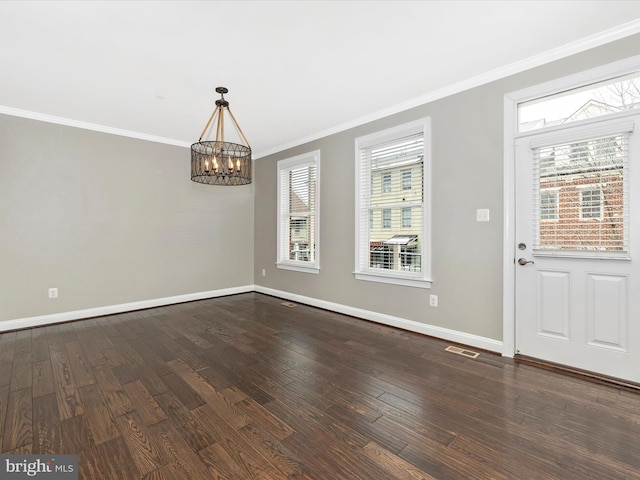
x: 217, y: 162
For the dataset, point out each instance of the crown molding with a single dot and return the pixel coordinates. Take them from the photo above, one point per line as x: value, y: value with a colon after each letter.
x: 43, y: 117
x: 587, y: 43
x: 592, y: 41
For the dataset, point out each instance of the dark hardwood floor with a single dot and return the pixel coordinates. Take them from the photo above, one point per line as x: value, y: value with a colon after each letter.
x: 244, y: 387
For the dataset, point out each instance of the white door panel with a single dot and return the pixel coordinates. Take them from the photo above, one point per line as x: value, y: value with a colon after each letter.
x: 552, y: 304
x: 578, y: 297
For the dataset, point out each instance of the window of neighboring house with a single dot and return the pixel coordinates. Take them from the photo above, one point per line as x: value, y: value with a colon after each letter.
x: 386, y: 182
x: 393, y: 252
x: 299, y: 227
x: 591, y: 204
x: 406, y: 217
x: 386, y: 218
x: 298, y: 212
x: 547, y: 162
x: 579, y: 153
x: 549, y: 205
x: 406, y: 180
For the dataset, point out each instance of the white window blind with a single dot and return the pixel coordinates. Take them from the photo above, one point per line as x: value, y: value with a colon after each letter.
x: 590, y: 206
x: 392, y: 195
x: 298, y: 212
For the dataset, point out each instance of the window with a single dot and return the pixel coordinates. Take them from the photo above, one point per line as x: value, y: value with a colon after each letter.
x: 591, y: 204
x: 397, y: 249
x: 386, y: 182
x: 406, y: 217
x: 609, y: 97
x: 298, y: 189
x: 549, y: 205
x: 406, y: 180
x: 386, y: 218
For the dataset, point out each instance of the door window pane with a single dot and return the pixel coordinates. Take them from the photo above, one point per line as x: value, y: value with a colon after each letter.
x: 583, y: 196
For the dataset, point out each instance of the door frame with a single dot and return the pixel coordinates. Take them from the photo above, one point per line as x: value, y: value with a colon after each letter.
x: 511, y: 101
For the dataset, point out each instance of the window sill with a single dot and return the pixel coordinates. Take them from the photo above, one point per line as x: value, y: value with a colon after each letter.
x: 299, y: 268
x: 394, y: 280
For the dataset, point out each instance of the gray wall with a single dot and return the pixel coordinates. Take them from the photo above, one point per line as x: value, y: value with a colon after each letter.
x: 110, y: 220
x: 467, y: 173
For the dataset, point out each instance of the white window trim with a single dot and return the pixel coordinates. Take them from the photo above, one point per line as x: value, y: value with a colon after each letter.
x: 311, y: 158
x: 408, y: 279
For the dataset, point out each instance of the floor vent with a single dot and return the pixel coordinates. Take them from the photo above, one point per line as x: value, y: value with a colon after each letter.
x: 288, y: 304
x: 462, y: 351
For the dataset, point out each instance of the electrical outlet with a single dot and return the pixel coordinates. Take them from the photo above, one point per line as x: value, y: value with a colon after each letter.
x: 433, y: 300
x: 264, y: 272
x: 53, y: 293
x: 482, y: 215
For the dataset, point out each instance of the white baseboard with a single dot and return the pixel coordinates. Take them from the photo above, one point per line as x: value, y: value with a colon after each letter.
x: 410, y: 325
x: 40, y: 320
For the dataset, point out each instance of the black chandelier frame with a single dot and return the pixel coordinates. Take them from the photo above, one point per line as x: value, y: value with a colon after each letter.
x: 218, y: 162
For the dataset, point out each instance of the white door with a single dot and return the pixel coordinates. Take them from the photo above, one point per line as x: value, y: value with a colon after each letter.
x: 577, y: 252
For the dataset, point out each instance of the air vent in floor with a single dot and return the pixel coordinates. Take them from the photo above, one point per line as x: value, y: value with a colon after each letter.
x: 462, y: 351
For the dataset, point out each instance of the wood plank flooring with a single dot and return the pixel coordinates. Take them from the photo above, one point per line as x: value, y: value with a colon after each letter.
x: 244, y: 387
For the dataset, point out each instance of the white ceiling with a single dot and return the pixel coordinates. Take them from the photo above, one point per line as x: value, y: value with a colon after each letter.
x: 294, y: 69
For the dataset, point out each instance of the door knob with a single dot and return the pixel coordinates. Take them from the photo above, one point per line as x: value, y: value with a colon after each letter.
x: 524, y: 261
